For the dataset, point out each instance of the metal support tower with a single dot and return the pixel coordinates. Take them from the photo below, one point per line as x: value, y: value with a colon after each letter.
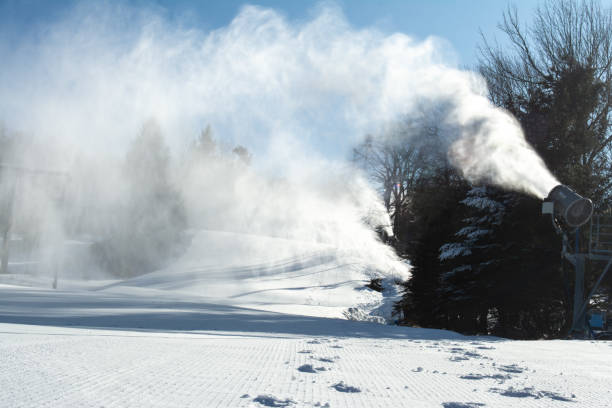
x: 599, y: 250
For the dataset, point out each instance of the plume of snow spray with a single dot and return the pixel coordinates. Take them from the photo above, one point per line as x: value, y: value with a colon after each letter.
x: 299, y: 95
x: 491, y: 147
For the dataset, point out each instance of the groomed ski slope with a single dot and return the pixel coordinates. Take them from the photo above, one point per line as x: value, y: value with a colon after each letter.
x: 276, y: 274
x: 251, y: 329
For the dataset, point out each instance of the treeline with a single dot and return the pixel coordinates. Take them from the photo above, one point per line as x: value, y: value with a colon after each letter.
x: 163, y: 197
x: 133, y: 209
x: 485, y: 261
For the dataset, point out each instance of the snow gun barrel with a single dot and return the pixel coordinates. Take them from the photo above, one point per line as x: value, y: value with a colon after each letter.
x: 567, y: 205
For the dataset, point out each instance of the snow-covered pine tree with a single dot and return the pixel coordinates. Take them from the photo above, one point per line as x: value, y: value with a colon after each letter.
x: 472, y: 261
x: 149, y: 223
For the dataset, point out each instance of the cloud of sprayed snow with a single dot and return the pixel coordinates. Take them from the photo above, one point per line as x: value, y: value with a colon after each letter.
x: 261, y: 81
x: 295, y: 94
x: 491, y: 147
x: 328, y: 205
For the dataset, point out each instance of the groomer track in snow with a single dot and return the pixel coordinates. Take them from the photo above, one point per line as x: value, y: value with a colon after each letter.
x: 156, y: 352
x: 215, y: 330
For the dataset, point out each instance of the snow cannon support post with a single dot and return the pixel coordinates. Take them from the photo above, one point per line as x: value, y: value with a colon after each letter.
x: 568, y: 208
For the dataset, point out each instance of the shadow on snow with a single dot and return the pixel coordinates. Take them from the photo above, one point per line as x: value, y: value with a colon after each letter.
x: 117, y: 311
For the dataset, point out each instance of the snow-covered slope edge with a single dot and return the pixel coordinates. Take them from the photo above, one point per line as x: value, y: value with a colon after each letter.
x: 283, y: 275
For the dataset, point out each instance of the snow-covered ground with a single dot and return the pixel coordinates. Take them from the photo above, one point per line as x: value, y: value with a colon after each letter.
x: 277, y: 274
x: 248, y: 330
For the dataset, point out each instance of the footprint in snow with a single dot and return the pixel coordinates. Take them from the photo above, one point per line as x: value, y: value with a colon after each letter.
x: 511, y: 368
x: 462, y: 404
x: 308, y: 368
x: 530, y: 392
x: 499, y: 377
x: 305, y: 352
x: 468, y: 353
x: 271, y: 401
x: 336, y: 346
x: 461, y: 354
x: 326, y: 360
x: 418, y: 370
x: 342, y: 387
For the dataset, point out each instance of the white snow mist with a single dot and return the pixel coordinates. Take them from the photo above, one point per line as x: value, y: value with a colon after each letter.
x: 298, y: 95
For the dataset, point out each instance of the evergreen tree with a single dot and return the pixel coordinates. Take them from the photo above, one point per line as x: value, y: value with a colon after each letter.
x: 243, y: 154
x: 205, y: 145
x: 467, y: 287
x: 150, y: 224
x: 435, y: 202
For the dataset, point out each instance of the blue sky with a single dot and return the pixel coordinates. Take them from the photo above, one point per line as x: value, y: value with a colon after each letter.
x: 457, y: 21
x: 72, y: 87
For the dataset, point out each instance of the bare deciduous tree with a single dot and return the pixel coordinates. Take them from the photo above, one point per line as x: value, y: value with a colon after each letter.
x: 401, y: 158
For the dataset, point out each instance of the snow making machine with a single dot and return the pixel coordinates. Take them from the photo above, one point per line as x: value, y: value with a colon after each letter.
x: 569, y: 212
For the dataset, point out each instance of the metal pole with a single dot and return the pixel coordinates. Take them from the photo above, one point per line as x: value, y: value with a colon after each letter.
x: 578, y: 317
x: 6, y: 234
x: 59, y: 249
x: 585, y: 303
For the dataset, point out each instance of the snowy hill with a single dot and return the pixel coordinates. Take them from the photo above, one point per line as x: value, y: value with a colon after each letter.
x: 146, y: 349
x: 242, y: 321
x: 277, y: 274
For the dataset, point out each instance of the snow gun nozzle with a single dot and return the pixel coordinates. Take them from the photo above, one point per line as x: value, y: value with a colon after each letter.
x: 567, y: 205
